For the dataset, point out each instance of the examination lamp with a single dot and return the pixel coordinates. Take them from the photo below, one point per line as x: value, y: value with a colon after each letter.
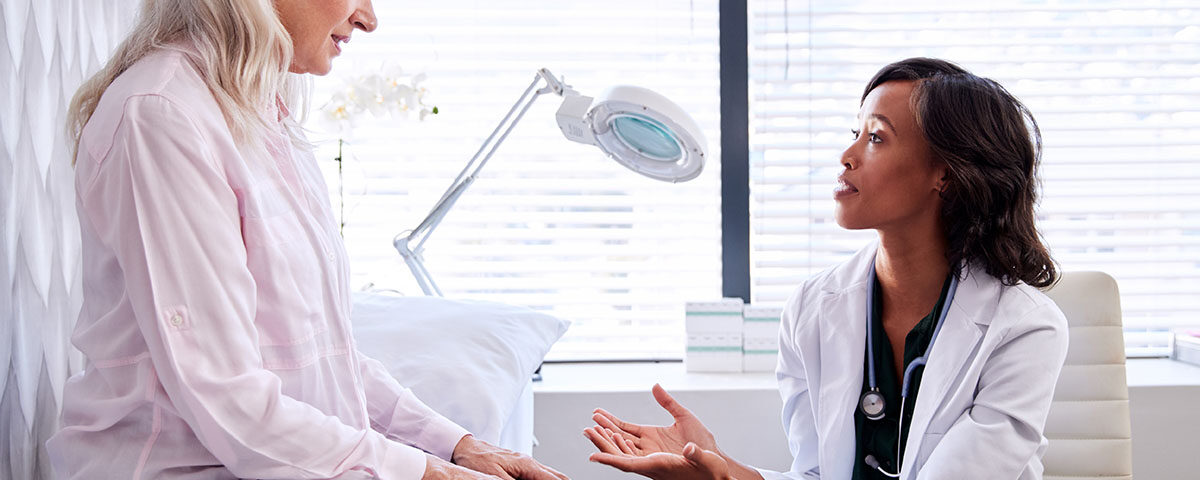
x: 640, y: 129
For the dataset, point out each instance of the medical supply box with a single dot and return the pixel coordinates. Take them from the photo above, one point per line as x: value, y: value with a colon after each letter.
x: 1187, y: 348
x: 714, y: 335
x: 760, y: 338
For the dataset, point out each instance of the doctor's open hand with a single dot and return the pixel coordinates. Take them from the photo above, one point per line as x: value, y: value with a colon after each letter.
x: 685, y: 449
x: 694, y: 463
x: 645, y: 440
x: 497, y: 462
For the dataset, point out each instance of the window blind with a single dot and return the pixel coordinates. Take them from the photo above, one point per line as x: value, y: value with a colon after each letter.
x: 550, y: 224
x: 1115, y: 87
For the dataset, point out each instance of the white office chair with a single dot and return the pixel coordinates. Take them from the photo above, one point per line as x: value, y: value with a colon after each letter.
x: 1088, y: 426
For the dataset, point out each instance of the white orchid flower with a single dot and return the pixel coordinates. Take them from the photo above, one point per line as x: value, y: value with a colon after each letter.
x: 390, y: 93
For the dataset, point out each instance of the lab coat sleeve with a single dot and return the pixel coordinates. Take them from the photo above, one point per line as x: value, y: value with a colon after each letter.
x: 999, y: 435
x: 797, y: 414
x: 160, y: 200
x: 399, y: 414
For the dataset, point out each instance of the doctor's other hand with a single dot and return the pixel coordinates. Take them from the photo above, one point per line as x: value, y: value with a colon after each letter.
x: 695, y: 463
x: 646, y: 439
x: 483, y: 457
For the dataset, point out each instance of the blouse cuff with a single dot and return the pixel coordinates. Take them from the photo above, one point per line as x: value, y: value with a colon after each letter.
x: 401, y: 462
x: 441, y: 436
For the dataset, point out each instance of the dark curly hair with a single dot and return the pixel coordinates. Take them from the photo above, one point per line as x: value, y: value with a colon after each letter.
x: 991, y: 146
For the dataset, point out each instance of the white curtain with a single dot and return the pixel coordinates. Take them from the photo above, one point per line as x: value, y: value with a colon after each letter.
x: 48, y: 47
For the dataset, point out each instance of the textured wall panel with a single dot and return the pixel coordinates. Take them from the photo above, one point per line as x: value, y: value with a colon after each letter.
x: 49, y: 48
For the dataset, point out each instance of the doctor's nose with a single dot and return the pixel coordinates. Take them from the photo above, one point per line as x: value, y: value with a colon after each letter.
x: 849, y: 158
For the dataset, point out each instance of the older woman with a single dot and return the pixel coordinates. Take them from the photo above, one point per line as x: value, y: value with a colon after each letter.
x: 216, y: 306
x: 930, y: 353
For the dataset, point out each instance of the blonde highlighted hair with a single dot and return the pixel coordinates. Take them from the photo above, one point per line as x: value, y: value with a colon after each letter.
x: 240, y: 46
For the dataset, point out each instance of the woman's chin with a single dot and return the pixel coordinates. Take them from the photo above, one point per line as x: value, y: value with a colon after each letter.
x: 319, y: 68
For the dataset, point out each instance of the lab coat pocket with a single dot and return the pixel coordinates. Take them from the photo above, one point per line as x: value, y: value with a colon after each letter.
x: 929, y: 442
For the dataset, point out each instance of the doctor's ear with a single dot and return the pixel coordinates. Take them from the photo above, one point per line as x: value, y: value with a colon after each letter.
x: 943, y: 182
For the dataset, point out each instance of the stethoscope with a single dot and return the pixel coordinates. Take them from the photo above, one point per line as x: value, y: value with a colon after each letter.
x: 872, y: 402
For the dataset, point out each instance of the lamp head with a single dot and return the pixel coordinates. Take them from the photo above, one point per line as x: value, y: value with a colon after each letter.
x: 640, y: 129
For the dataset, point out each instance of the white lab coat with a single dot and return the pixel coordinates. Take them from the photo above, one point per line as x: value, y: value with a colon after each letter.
x: 983, y: 399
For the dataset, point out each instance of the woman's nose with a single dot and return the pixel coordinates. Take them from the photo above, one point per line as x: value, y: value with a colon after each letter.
x: 364, y: 17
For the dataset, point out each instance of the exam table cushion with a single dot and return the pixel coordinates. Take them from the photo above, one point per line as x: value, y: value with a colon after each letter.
x: 468, y: 360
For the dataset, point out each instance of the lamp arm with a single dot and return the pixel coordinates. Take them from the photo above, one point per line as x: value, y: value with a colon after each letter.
x: 411, y: 244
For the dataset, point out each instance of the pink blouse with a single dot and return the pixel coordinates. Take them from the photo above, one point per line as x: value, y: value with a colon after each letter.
x: 216, y: 313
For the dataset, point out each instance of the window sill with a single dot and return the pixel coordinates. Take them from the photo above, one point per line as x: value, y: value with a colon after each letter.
x: 1160, y: 372
x: 639, y: 377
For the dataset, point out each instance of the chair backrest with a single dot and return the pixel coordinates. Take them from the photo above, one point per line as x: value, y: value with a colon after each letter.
x: 1088, y: 427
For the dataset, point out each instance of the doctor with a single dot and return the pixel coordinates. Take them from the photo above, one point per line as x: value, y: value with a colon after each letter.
x: 930, y: 353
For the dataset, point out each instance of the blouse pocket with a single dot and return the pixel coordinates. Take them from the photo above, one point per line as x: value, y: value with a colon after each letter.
x: 290, y: 315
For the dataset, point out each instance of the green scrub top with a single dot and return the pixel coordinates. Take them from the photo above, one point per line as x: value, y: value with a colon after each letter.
x: 878, y: 437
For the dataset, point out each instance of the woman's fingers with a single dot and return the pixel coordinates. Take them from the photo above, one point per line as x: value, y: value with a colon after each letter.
x: 668, y: 402
x: 530, y: 469
x: 556, y: 473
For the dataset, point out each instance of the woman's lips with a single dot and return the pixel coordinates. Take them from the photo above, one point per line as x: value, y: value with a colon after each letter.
x: 844, y: 189
x: 337, y: 41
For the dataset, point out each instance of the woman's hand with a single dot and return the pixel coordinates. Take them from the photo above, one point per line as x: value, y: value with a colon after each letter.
x: 438, y: 469
x: 645, y: 440
x: 480, y: 456
x: 695, y: 463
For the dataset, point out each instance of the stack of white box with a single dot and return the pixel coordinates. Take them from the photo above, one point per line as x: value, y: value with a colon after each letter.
x: 760, y: 338
x: 714, y: 336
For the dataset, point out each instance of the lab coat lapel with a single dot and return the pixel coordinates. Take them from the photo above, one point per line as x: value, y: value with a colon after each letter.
x: 959, y: 339
x: 843, y: 337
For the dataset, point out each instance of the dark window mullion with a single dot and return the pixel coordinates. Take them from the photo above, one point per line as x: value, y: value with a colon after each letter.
x: 735, y: 150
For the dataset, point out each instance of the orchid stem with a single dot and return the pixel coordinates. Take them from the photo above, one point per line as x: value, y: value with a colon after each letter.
x: 341, y: 197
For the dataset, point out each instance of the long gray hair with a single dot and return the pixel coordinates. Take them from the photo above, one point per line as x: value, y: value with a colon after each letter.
x: 241, y: 47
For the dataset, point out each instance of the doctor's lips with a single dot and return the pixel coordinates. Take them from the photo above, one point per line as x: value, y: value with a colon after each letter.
x: 844, y: 189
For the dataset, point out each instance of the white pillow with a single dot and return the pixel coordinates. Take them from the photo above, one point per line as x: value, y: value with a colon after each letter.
x: 468, y: 360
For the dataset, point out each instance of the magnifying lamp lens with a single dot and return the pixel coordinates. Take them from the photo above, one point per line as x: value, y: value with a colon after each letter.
x: 648, y: 137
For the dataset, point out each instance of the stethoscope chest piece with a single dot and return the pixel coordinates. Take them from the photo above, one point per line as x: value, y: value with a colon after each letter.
x: 872, y: 404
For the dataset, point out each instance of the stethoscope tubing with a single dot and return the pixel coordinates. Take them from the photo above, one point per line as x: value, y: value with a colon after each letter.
x: 908, y: 370
x: 923, y: 359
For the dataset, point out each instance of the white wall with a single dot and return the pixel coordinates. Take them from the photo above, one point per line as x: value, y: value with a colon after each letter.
x: 745, y: 418
x: 1166, y: 432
